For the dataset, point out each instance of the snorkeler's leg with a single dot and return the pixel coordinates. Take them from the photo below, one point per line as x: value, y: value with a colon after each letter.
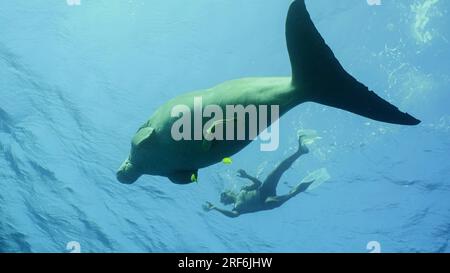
x: 270, y: 184
x: 277, y: 201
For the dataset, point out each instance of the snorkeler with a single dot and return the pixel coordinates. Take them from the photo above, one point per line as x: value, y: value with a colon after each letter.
x: 262, y: 195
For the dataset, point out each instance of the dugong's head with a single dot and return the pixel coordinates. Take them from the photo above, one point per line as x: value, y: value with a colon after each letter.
x: 133, y: 167
x: 128, y: 173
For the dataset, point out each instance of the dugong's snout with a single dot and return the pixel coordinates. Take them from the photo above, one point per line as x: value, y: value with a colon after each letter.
x: 127, y: 173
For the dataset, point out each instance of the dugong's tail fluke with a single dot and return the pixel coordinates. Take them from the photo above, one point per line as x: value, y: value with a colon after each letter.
x: 322, y: 79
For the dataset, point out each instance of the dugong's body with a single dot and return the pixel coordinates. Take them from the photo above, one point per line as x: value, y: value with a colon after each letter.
x: 178, y: 160
x: 316, y: 76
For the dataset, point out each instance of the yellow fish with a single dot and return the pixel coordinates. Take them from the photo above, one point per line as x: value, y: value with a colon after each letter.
x: 227, y: 161
x: 194, y: 178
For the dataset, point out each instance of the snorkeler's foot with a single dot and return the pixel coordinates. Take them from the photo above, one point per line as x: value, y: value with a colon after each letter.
x: 302, y: 148
x: 241, y: 173
x: 301, y: 187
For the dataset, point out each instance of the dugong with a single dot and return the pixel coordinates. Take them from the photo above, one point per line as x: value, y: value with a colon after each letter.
x: 317, y: 76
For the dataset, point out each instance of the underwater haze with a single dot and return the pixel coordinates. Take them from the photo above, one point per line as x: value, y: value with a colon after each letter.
x: 78, y: 78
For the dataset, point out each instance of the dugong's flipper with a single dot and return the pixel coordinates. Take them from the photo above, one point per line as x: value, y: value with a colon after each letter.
x: 184, y: 177
x: 322, y: 79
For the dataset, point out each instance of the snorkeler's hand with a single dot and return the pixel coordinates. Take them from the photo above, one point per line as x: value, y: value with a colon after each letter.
x: 208, y: 206
x: 242, y: 173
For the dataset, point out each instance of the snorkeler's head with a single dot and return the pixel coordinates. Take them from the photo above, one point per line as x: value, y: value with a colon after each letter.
x: 227, y: 197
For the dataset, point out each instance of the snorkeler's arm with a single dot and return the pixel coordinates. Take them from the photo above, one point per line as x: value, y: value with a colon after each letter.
x: 256, y: 182
x: 228, y: 213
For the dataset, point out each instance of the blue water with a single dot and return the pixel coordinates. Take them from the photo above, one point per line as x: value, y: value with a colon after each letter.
x: 76, y: 81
